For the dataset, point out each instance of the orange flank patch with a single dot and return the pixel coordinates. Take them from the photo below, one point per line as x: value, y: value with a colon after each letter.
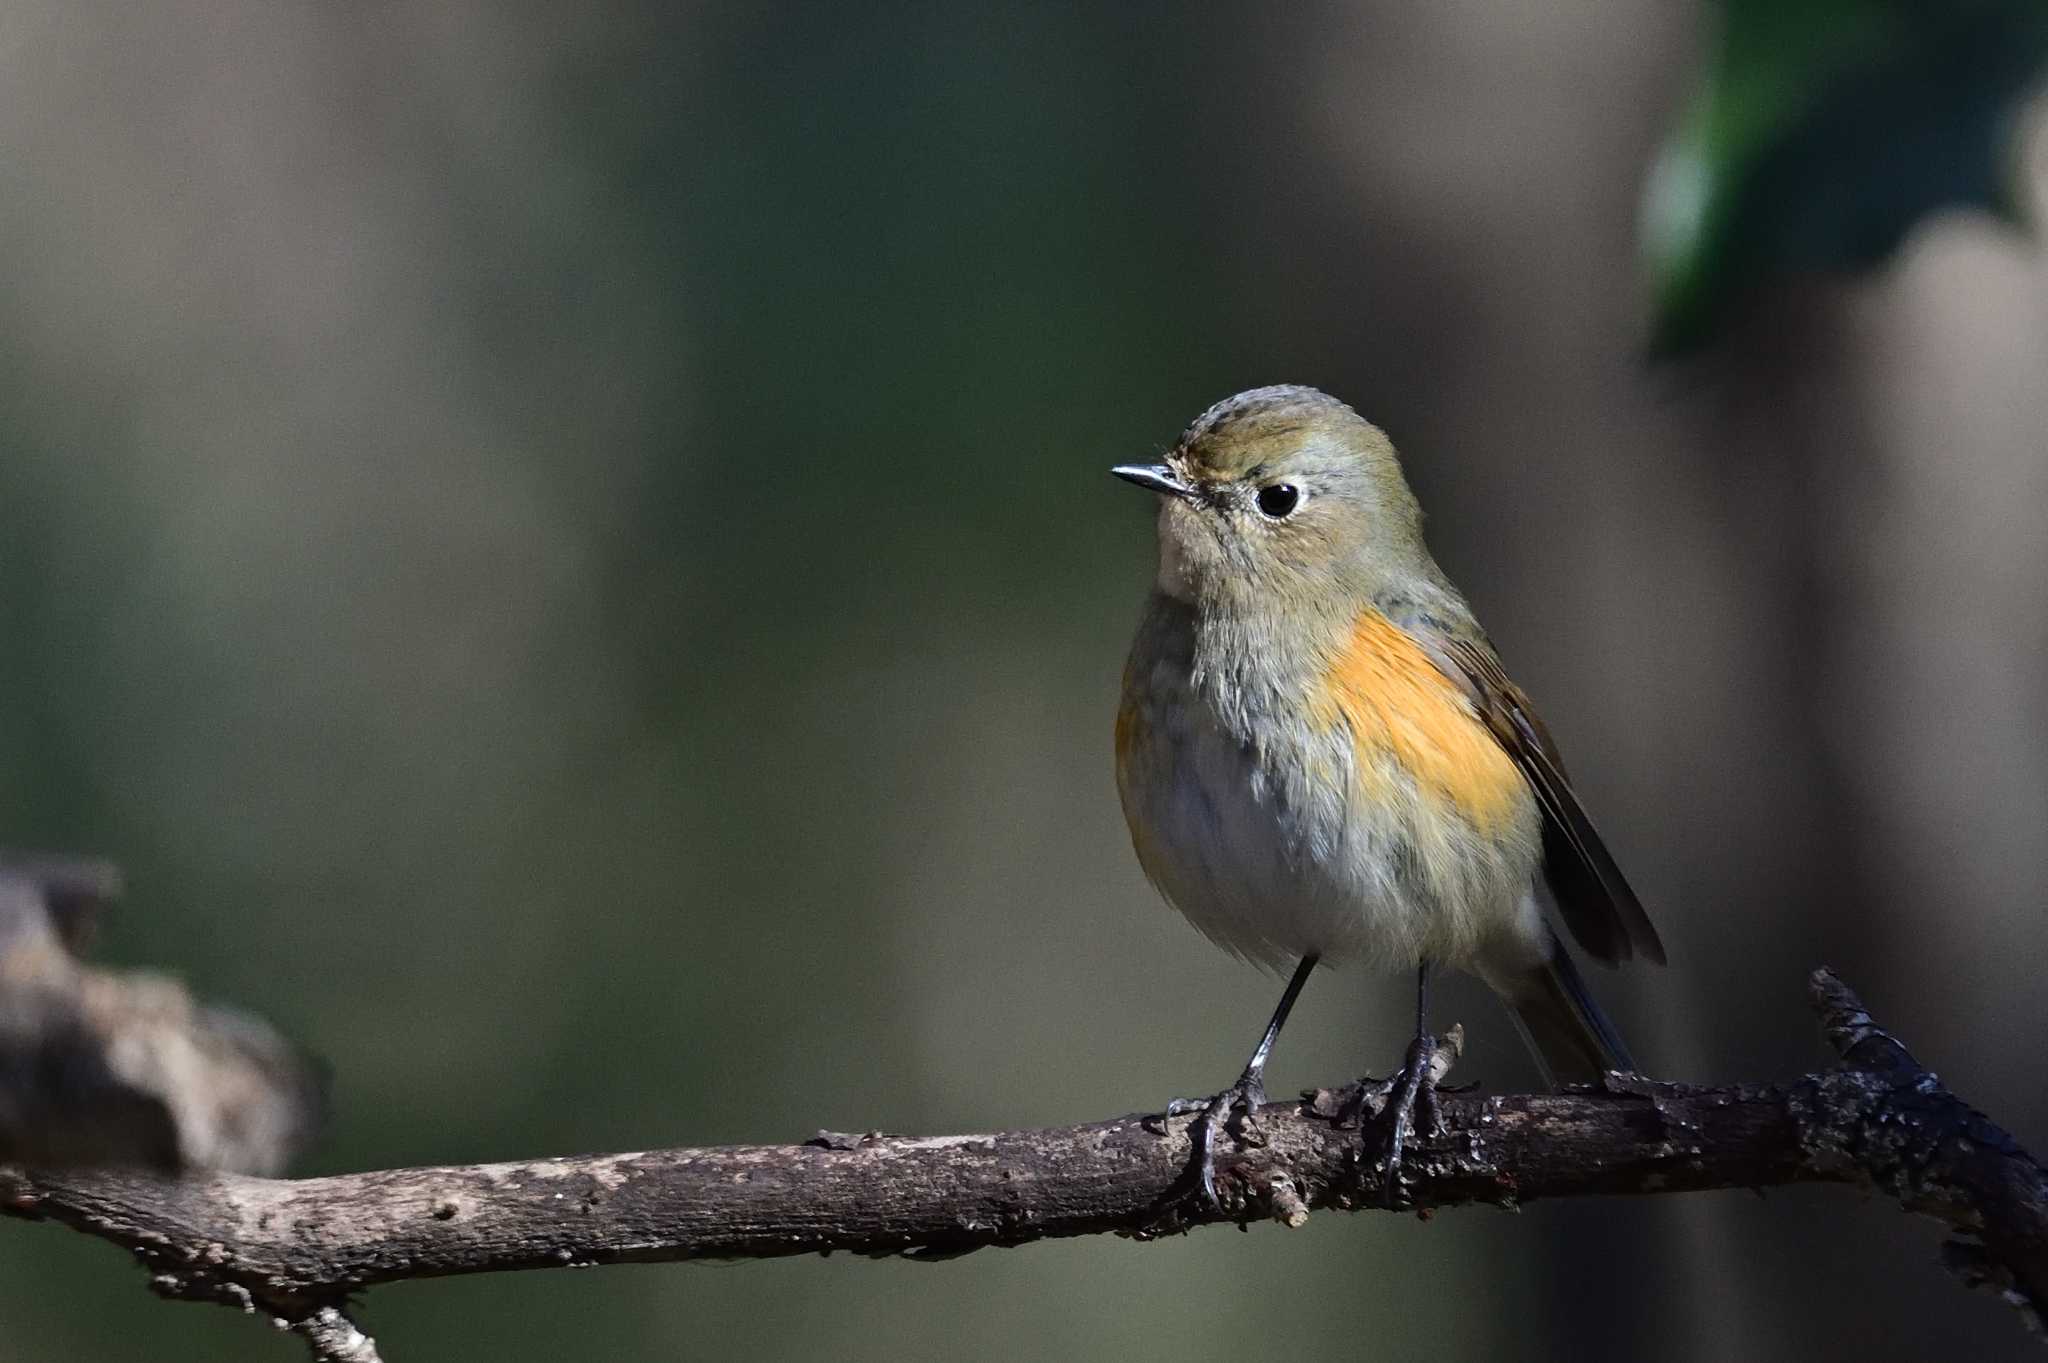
x: 1128, y: 721
x: 1399, y: 706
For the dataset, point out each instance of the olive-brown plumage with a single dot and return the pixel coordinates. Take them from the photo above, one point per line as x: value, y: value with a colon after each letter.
x: 1321, y: 757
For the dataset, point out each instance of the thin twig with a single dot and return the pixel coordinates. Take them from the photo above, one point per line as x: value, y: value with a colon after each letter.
x: 295, y: 1248
x: 333, y: 1338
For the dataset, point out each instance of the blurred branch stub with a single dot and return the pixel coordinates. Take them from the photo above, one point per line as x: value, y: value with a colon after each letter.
x: 125, y: 1067
x: 296, y: 1249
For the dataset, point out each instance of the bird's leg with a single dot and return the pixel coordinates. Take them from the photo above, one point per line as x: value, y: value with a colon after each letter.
x: 1247, y: 1094
x: 1411, y: 1108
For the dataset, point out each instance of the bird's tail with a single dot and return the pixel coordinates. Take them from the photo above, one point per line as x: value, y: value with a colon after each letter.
x: 1572, y: 1039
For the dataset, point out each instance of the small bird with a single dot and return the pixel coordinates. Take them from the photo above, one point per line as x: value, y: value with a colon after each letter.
x: 1321, y: 758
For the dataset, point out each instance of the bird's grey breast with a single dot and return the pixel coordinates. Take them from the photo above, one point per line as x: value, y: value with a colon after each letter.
x: 1238, y: 809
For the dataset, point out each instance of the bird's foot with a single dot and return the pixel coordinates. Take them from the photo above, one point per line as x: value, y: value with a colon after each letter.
x: 1405, y: 1104
x: 1411, y: 1109
x: 1233, y: 1111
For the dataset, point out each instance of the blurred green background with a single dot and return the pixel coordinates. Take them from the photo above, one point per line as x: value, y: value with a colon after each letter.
x: 567, y: 552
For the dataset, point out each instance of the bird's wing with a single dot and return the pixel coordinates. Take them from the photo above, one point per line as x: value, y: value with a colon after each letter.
x: 1594, y: 898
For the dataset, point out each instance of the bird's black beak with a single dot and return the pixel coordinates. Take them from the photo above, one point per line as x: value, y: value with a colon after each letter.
x: 1157, y: 477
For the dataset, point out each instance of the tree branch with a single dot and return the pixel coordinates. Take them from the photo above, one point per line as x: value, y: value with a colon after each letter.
x: 295, y: 1249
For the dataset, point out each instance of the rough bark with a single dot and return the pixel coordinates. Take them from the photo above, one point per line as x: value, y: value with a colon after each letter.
x: 296, y: 1249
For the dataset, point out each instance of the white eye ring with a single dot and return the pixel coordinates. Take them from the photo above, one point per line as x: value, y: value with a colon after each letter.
x: 1278, y: 501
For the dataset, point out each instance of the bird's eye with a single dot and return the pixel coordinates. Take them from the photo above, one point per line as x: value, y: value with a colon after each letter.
x: 1277, y: 501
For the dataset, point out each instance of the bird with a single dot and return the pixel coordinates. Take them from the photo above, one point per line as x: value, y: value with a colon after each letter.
x: 1321, y: 758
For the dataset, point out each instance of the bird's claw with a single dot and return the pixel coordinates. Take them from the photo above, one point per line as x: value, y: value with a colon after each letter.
x: 1410, y: 1108
x: 1247, y: 1095
x: 1175, y: 1107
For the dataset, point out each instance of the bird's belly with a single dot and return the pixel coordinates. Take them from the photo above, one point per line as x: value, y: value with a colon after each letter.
x: 1281, y: 849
